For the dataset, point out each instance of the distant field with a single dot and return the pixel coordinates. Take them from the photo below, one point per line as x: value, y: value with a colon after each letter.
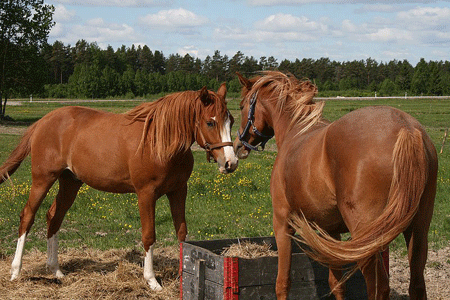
x: 218, y: 206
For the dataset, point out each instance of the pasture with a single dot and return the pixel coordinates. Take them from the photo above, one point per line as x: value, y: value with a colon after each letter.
x: 218, y: 206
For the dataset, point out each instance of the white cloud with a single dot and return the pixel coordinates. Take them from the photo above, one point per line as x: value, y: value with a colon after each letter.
x: 288, y: 23
x: 260, y: 36
x: 57, y: 31
x: 297, y: 2
x: 276, y: 28
x: 421, y: 18
x: 116, y: 3
x: 97, y: 30
x: 174, y: 20
x: 391, y: 35
x: 348, y: 26
x: 62, y: 14
x: 191, y: 50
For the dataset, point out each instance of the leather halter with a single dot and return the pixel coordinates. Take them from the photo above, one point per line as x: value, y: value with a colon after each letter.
x: 209, y: 147
x: 250, y: 117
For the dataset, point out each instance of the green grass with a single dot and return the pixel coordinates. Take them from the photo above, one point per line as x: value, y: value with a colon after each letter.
x: 218, y: 206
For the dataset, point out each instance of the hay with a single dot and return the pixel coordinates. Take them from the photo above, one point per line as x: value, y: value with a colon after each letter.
x: 92, y: 274
x: 249, y: 250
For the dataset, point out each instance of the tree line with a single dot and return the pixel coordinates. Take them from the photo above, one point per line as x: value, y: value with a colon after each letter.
x: 29, y: 65
x: 87, y: 71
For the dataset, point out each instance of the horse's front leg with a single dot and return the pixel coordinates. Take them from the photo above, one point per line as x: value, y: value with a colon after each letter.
x: 283, y: 234
x: 147, y: 202
x: 177, y: 200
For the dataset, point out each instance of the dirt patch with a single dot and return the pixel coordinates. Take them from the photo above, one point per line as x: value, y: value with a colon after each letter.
x: 14, y: 130
x: 437, y: 275
x: 117, y: 274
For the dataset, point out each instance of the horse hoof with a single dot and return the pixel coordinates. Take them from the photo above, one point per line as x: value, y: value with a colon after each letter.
x: 59, y: 274
x: 154, y: 285
x: 15, y: 271
x: 14, y: 276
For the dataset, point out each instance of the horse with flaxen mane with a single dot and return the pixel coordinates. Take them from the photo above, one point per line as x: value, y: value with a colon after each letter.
x: 371, y: 173
x: 144, y: 151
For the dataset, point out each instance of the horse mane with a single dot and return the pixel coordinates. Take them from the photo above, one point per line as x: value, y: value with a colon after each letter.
x: 171, y: 122
x: 291, y: 95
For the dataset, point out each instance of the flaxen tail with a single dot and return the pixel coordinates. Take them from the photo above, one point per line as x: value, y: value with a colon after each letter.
x: 408, y: 184
x: 16, y: 157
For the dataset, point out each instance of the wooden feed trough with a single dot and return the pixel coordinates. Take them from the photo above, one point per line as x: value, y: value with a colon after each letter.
x: 206, y: 274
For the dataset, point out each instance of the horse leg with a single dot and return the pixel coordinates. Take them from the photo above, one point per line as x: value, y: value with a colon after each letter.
x: 177, y: 200
x: 68, y: 189
x: 334, y: 277
x: 376, y: 278
x: 39, y: 189
x: 283, y: 234
x: 416, y: 237
x: 147, y: 203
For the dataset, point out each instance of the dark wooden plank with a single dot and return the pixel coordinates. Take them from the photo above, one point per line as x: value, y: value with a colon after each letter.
x: 199, y: 278
x: 212, y: 290
x: 213, y: 262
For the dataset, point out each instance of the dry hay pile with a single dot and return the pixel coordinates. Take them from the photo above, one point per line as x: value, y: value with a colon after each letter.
x: 92, y: 274
x: 118, y: 274
x: 249, y: 250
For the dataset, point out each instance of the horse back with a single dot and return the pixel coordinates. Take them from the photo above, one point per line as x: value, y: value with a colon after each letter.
x: 100, y: 149
x: 360, y: 151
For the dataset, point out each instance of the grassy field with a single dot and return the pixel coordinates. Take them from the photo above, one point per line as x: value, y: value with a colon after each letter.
x: 218, y: 206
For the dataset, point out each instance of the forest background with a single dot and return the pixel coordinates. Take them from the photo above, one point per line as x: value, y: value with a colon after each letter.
x: 87, y: 71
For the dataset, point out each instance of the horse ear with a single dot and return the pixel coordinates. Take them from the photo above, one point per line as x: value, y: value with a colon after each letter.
x: 244, y: 81
x: 204, y: 96
x: 222, y: 91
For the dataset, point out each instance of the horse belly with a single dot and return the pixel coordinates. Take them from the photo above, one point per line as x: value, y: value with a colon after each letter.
x: 99, y: 156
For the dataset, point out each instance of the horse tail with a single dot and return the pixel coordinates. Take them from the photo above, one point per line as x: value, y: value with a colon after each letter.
x: 410, y: 166
x: 16, y: 157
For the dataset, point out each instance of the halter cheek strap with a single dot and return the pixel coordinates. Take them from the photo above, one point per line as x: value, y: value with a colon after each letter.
x: 250, y: 123
x: 209, y: 147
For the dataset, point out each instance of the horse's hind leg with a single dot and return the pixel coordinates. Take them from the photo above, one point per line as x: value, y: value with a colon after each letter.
x: 376, y: 277
x: 416, y: 237
x: 334, y: 278
x: 68, y: 189
x: 39, y: 188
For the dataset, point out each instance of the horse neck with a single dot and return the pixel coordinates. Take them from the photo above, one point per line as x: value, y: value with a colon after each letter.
x: 280, y: 122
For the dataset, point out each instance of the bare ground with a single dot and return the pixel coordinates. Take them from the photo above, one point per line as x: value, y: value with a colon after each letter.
x: 117, y: 274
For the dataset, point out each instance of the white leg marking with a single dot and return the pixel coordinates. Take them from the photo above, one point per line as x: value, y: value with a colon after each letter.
x: 228, y: 151
x: 17, y: 261
x: 52, y: 256
x: 149, y: 274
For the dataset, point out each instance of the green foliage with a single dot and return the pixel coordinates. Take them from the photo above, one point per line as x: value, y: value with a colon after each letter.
x: 24, y: 28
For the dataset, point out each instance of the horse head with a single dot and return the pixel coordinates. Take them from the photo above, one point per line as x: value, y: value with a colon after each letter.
x: 255, y: 129
x: 213, y: 128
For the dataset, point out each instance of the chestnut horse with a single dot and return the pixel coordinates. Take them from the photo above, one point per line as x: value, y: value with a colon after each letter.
x: 144, y: 151
x: 371, y: 173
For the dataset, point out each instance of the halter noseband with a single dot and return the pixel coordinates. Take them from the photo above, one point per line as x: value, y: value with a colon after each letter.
x: 209, y: 147
x: 250, y: 117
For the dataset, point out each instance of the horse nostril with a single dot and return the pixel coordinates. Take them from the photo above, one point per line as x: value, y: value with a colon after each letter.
x: 227, y: 166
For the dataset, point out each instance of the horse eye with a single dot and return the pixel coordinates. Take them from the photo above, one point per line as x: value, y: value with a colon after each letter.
x: 210, y: 123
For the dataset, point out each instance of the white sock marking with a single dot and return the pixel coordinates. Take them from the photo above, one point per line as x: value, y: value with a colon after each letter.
x: 52, y: 256
x: 149, y: 273
x: 17, y: 261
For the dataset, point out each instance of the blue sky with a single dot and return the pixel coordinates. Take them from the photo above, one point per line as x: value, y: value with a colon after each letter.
x: 286, y: 29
